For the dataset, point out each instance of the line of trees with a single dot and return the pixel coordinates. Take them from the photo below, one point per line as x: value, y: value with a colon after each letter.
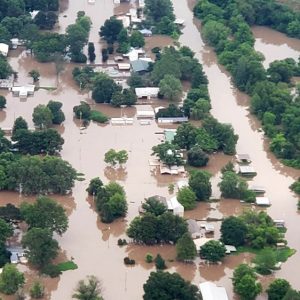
x: 226, y: 27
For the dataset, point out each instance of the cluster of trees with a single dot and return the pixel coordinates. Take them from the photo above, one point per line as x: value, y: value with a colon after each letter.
x: 113, y: 31
x: 156, y: 225
x: 213, y: 251
x: 84, y: 112
x: 114, y: 157
x: 36, y: 174
x: 171, y: 286
x: 251, y: 228
x: 110, y: 199
x: 227, y: 29
x: 233, y: 186
x: 160, y: 16
x: 168, y: 154
x: 280, y: 289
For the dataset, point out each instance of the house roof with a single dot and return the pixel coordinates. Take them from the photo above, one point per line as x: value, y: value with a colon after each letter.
x: 169, y: 134
x: 139, y: 65
x: 173, y: 204
x: 210, y: 291
x: 182, y: 183
x: 247, y: 170
x: 147, y: 91
x: 193, y: 227
x: 200, y: 242
x: 145, y: 31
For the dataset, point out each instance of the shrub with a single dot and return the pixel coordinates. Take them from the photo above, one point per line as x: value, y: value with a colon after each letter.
x: 98, y: 116
x: 128, y: 261
x: 149, y: 258
x: 37, y: 290
x: 51, y: 270
x: 2, y: 102
x: 160, y: 262
x: 122, y: 242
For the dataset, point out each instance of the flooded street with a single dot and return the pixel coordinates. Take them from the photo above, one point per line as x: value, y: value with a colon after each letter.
x: 92, y: 244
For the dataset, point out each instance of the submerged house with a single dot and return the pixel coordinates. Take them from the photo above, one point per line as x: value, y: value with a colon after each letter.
x: 193, y: 229
x: 147, y: 92
x: 4, y: 49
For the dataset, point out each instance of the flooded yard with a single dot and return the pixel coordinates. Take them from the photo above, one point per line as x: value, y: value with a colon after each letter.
x: 92, y: 244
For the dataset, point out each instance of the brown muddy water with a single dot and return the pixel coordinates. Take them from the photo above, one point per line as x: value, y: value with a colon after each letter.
x: 275, y: 45
x: 92, y: 244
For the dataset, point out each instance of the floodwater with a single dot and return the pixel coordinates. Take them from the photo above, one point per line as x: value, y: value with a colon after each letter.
x: 275, y: 45
x: 92, y: 244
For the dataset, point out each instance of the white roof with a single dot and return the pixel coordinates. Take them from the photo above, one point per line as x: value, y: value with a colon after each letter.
x: 230, y: 248
x: 156, y: 109
x: 146, y: 113
x: 246, y: 169
x: 133, y: 54
x: 173, y: 204
x: 209, y: 227
x: 125, y: 20
x: 262, y: 201
x: 210, y: 291
x: 141, y: 3
x: 124, y: 66
x: 200, y: 242
x: 182, y: 183
x: 179, y: 21
x: 34, y: 13
x: 3, y: 49
x: 147, y: 92
x: 257, y: 188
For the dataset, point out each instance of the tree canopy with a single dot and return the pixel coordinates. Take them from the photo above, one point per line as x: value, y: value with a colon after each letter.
x: 185, y: 248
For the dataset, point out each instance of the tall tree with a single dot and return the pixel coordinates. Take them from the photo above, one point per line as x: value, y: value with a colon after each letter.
x: 45, y: 213
x: 200, y: 183
x: 42, y: 116
x: 185, y: 248
x: 11, y: 279
x: 90, y: 290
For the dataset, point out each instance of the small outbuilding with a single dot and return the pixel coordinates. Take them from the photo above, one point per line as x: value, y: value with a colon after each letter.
x: 209, y: 228
x: 175, y: 207
x: 258, y: 189
x: 230, y: 248
x: 140, y: 65
x: 145, y: 114
x: 243, y: 158
x: 146, y: 32
x: 193, y: 229
x: 210, y: 291
x: 23, y: 91
x: 123, y: 67
x: 247, y: 171
x: 172, y: 120
x: 4, y: 49
x: 147, y: 92
x: 179, y: 22
x: 262, y: 201
x: 279, y: 223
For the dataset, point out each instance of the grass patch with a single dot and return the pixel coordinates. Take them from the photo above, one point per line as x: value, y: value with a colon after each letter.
x: 98, y: 117
x: 282, y: 254
x: 66, y: 266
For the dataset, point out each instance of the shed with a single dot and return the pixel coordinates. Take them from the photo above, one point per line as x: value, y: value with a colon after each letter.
x: 146, y: 32
x: 182, y: 183
x: 247, y: 171
x: 258, y: 189
x: 193, y: 229
x: 169, y: 135
x: 124, y: 66
x: 262, y: 201
x: 14, y: 259
x: 121, y: 121
x: 175, y: 207
x: 140, y: 65
x: 145, y: 114
x: 179, y: 22
x: 118, y: 58
x: 141, y: 3
x: 172, y: 170
x: 279, y: 223
x: 145, y: 122
x: 147, y: 92
x: 243, y: 158
x: 230, y: 248
x: 172, y: 120
x: 4, y: 49
x: 210, y: 291
x: 14, y: 43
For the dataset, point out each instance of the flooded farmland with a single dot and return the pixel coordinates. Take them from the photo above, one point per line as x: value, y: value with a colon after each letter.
x: 92, y: 244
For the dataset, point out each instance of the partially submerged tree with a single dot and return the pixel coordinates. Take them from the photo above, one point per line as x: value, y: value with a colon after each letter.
x: 213, y: 251
x: 11, y: 279
x: 185, y: 248
x: 89, y: 289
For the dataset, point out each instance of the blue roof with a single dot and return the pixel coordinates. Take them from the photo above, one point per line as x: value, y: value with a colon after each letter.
x: 139, y: 65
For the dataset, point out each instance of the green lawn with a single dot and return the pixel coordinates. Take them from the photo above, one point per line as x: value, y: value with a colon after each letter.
x: 68, y: 265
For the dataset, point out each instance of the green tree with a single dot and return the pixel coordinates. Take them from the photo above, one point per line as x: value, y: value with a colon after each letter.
x: 244, y: 283
x: 42, y: 116
x: 171, y: 286
x: 156, y: 10
x: 19, y: 123
x: 57, y: 114
x: 187, y: 198
x: 45, y: 213
x: 45, y: 20
x: 11, y: 279
x: 136, y: 39
x: 213, y: 251
x: 278, y: 289
x: 168, y: 154
x: 153, y: 206
x: 94, y: 186
x: 2, y: 102
x: 215, y: 32
x: 35, y: 75
x: 185, y: 248
x: 170, y: 87
x: 37, y: 290
x: 122, y: 157
x: 291, y: 295
x: 233, y: 231
x: 110, y: 157
x: 91, y: 52
x: 82, y: 111
x: 160, y: 262
x: 111, y: 29
x: 5, y: 68
x: 104, y: 88
x: 199, y: 182
x: 42, y: 248
x: 197, y: 157
x: 185, y: 136
x: 6, y: 231
x: 91, y: 289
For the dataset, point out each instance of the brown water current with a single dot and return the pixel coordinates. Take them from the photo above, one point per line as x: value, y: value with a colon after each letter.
x: 92, y: 244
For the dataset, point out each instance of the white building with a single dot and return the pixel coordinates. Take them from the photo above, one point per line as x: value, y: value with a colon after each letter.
x: 210, y: 291
x: 262, y: 201
x: 4, y: 49
x: 23, y: 91
x: 145, y: 114
x: 147, y: 92
x: 175, y: 207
